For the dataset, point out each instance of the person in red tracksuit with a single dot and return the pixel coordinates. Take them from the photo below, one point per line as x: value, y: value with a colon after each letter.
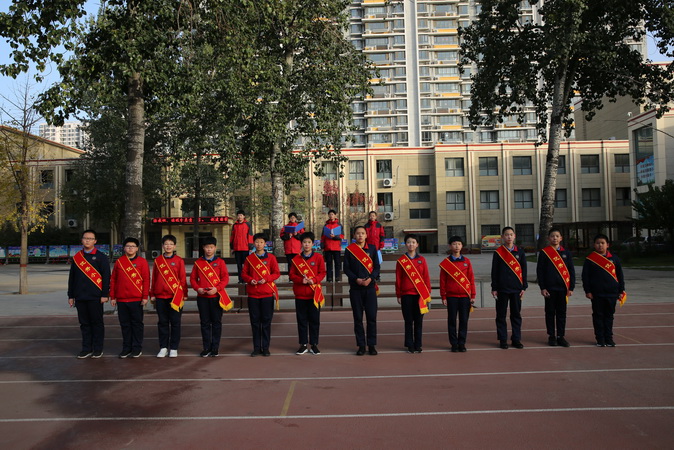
x: 241, y: 240
x: 308, y: 314
x: 454, y: 295
x: 292, y: 245
x: 261, y: 291
x: 130, y: 296
x: 375, y: 233
x: 332, y: 247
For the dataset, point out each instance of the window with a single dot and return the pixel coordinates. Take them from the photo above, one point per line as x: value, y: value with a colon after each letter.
x: 329, y: 170
x: 622, y: 196
x: 525, y: 234
x: 561, y: 165
x: 356, y: 170
x: 420, y: 197
x: 424, y: 213
x: 456, y: 230
x: 356, y: 202
x: 489, y: 200
x: 560, y: 198
x: 207, y: 207
x: 388, y: 232
x: 589, y: 164
x: 47, y: 179
x: 454, y: 167
x: 69, y: 175
x: 330, y: 201
x: 456, y: 200
x: 622, y: 163
x: 524, y: 199
x: 384, y: 169
x: 521, y: 165
x: 420, y: 180
x: 489, y: 166
x: 385, y: 202
x: 591, y: 198
x: 491, y: 230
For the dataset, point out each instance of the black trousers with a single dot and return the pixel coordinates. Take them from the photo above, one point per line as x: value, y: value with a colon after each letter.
x: 457, y: 306
x: 168, y: 325
x: 414, y: 320
x: 502, y: 301
x: 333, y: 264
x: 130, y: 316
x: 289, y: 259
x: 364, y: 300
x: 603, y: 309
x: 210, y: 317
x: 555, y: 313
x: 240, y: 257
x: 308, y: 320
x: 261, y: 312
x: 90, y: 316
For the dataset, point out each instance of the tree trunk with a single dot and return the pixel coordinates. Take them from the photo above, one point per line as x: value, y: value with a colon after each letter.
x: 277, y: 197
x: 133, y: 208
x: 197, y: 209
x: 23, y: 257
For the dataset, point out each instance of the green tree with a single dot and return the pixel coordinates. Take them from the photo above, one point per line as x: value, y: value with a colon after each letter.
x: 576, y: 47
x: 655, y: 210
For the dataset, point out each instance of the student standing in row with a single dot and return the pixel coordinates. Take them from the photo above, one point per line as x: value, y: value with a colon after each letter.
x: 508, y: 283
x: 413, y: 290
x: 331, y: 243
x: 457, y: 289
x: 88, y: 290
x: 169, y: 292
x: 556, y: 279
x: 375, y: 234
x: 292, y: 245
x: 129, y: 290
x: 361, y: 267
x: 604, y: 285
x: 259, y: 273
x: 241, y: 240
x: 209, y: 278
x: 307, y: 270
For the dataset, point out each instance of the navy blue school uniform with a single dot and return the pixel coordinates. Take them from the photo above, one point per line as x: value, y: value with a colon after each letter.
x: 88, y: 300
x: 549, y: 278
x: 605, y: 292
x: 508, y: 288
x: 363, y: 298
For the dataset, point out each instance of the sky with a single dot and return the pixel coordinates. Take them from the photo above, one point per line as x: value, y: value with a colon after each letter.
x: 10, y: 87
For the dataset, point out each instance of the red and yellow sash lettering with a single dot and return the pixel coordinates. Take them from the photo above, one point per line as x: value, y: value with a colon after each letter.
x: 457, y: 275
x: 419, y: 284
x: 608, y: 266
x: 306, y: 270
x: 261, y: 269
x: 88, y: 270
x: 171, y: 281
x: 557, y: 261
x: 510, y: 261
x: 213, y: 278
x: 131, y: 273
x: 362, y: 256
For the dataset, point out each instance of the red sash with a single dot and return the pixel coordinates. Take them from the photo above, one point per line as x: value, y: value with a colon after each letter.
x: 88, y: 270
x: 510, y: 261
x: 419, y: 284
x: 207, y: 271
x: 131, y: 273
x: 608, y: 266
x: 306, y: 270
x: 453, y: 271
x: 559, y: 264
x: 171, y: 281
x: 362, y: 256
x: 261, y: 269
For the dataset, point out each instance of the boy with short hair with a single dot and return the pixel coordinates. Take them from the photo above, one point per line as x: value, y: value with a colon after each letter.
x: 307, y: 270
x: 331, y: 244
x: 241, y: 240
x: 292, y: 244
x: 209, y: 278
x: 457, y: 289
x: 259, y: 272
x: 129, y: 290
x: 88, y: 289
x: 604, y: 285
x: 556, y: 279
x: 169, y: 292
x: 508, y: 283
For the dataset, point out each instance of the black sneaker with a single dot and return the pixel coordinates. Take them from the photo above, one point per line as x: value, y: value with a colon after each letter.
x: 136, y: 353
x: 518, y: 344
x: 600, y: 344
x: 125, y: 354
x: 462, y: 348
x: 552, y: 342
x: 214, y: 353
x: 563, y: 342
x: 266, y: 352
x: 418, y: 350
x: 410, y: 349
x: 97, y: 354
x: 504, y: 345
x: 610, y: 343
x: 361, y: 351
x: 372, y: 350
x: 205, y: 353
x: 315, y: 350
x: 454, y: 349
x: 84, y: 354
x: 255, y: 352
x: 302, y: 350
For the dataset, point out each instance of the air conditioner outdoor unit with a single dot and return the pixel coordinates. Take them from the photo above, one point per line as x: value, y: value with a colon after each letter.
x: 72, y: 223
x: 388, y: 216
x: 388, y: 182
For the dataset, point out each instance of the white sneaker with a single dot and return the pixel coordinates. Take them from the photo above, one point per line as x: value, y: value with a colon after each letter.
x: 173, y: 354
x: 162, y: 353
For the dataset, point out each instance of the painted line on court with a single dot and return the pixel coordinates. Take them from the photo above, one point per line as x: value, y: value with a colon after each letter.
x: 286, y: 404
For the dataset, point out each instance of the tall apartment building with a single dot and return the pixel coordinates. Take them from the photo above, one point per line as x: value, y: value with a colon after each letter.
x: 70, y: 134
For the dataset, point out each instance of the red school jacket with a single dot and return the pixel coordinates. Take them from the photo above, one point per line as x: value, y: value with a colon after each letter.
x: 449, y: 287
x: 159, y: 288
x: 248, y: 273
x: 404, y: 285
x: 197, y: 279
x: 317, y: 264
x: 121, y: 287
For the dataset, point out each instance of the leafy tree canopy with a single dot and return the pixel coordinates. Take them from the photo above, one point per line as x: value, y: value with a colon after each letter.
x: 655, y: 209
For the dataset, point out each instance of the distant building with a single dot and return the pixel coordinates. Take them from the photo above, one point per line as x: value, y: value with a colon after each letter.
x: 70, y: 134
